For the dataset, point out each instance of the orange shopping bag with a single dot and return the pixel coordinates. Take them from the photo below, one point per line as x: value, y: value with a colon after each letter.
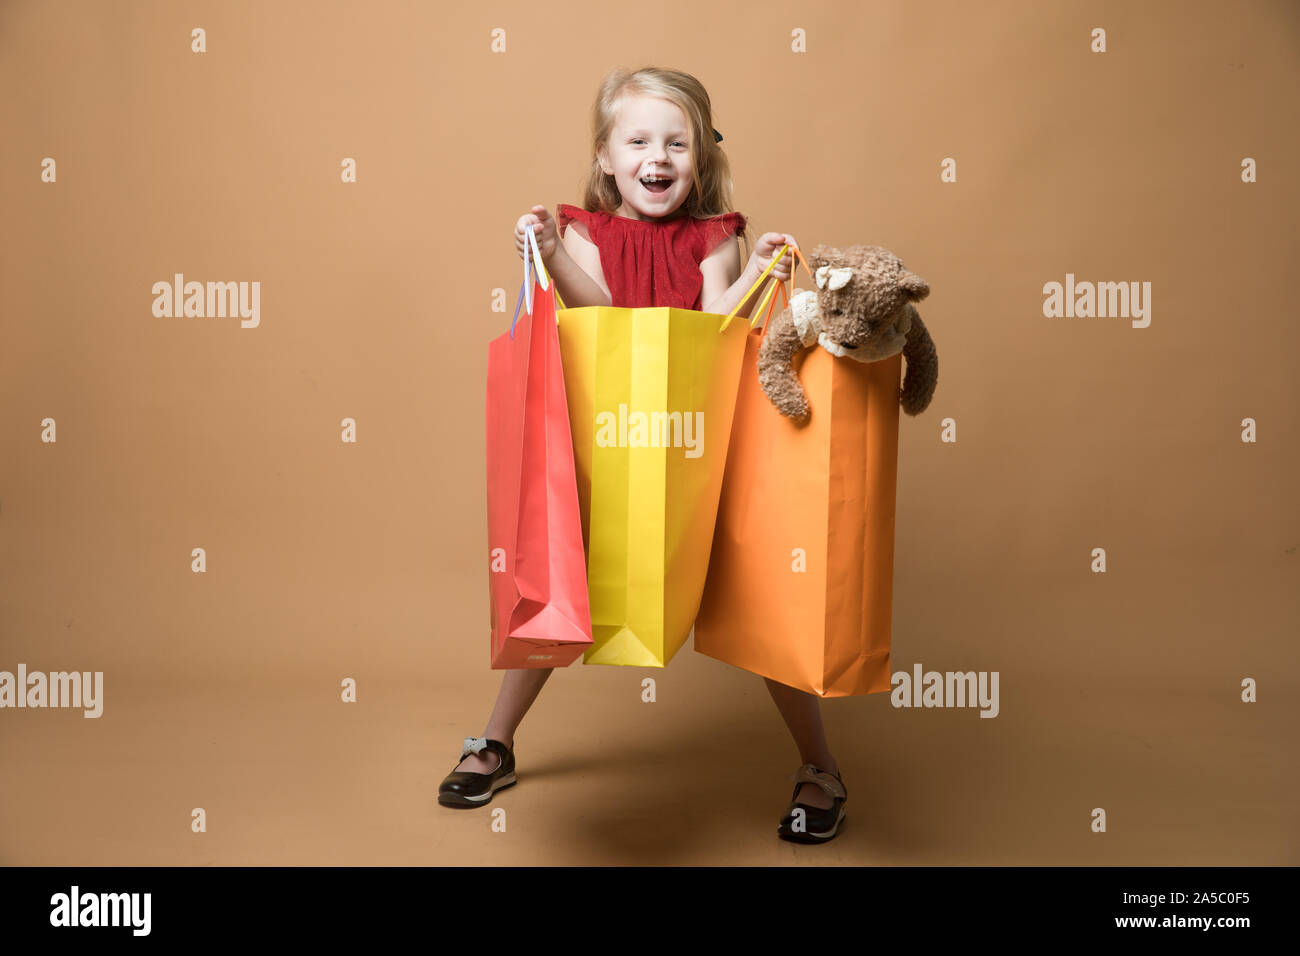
x: 800, y: 579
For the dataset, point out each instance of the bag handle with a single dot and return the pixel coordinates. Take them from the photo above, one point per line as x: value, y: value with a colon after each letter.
x: 534, y: 264
x: 775, y: 259
x: 781, y: 287
x: 771, y: 304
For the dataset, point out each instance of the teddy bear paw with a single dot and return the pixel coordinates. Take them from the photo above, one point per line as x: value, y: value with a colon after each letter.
x: 799, y: 413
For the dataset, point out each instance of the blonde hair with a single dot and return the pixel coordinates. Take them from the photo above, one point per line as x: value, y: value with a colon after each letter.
x: 710, y: 169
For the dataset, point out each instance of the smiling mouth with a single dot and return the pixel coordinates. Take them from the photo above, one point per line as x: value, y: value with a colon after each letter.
x: 660, y: 186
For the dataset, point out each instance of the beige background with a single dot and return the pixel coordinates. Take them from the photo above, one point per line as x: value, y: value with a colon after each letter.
x: 326, y: 560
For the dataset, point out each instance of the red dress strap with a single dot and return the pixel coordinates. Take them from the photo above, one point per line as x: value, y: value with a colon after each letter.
x: 715, y: 229
x: 565, y: 214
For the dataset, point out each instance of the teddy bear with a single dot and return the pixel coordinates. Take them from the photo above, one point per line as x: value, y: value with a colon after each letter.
x: 862, y: 310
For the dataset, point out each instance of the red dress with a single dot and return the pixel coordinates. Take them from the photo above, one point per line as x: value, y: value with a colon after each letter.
x: 649, y: 263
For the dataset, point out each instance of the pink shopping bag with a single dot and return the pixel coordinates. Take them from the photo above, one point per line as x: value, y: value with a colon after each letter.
x: 537, y: 570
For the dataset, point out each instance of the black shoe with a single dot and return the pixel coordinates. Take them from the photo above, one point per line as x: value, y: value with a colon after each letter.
x: 464, y: 788
x: 818, y: 824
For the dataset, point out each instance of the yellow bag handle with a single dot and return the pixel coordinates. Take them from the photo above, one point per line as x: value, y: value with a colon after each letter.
x: 771, y: 289
x: 781, y: 287
x: 774, y: 287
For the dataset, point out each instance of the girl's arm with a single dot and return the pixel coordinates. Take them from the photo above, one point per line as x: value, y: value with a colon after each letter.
x: 725, y: 282
x: 723, y: 263
x: 575, y: 267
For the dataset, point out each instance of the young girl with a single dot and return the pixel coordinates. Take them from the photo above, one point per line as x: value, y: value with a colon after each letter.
x: 655, y: 230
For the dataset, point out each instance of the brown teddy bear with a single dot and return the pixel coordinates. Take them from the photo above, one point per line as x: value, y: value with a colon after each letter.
x: 863, y: 311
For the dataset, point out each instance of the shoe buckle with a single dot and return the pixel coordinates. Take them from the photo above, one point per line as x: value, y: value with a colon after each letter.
x: 821, y: 778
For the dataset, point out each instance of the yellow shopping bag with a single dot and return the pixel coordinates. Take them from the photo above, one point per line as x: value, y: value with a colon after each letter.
x: 651, y: 394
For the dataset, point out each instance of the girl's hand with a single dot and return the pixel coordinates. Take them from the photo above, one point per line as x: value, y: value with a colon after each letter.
x: 544, y: 231
x: 766, y: 247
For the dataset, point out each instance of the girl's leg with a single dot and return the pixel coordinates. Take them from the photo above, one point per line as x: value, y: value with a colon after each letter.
x: 802, y: 714
x: 519, y: 688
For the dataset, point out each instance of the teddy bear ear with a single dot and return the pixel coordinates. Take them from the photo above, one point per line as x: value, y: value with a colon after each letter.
x: 832, y: 278
x: 915, y: 287
x: 821, y: 254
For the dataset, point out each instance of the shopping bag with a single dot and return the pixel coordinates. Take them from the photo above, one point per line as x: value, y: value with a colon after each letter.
x: 537, y: 577
x: 651, y: 394
x: 800, y: 578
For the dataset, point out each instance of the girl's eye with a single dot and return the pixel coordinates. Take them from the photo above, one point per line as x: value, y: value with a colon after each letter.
x: 675, y: 143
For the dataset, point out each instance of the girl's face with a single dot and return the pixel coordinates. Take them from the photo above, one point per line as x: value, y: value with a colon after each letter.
x: 650, y: 138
